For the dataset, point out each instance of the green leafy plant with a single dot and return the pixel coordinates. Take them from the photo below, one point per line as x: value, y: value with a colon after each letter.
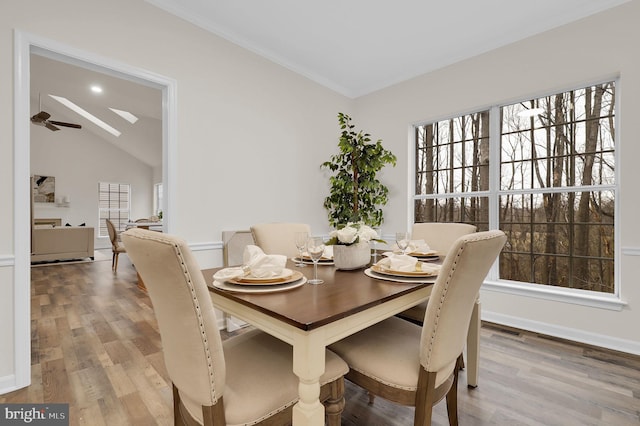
x: 356, y: 193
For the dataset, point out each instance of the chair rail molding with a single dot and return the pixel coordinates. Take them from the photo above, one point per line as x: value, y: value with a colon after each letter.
x: 7, y: 260
x: 631, y: 251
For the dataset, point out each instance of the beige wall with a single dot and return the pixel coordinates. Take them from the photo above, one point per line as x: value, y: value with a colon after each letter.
x: 250, y: 134
x: 602, y: 46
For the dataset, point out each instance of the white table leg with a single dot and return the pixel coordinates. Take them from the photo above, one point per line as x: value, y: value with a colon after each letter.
x: 308, y: 365
x: 473, y: 346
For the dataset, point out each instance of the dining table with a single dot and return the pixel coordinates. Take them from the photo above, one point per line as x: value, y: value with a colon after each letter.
x: 311, y: 317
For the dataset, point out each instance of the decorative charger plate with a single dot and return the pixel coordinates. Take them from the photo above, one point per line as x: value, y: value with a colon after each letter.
x: 287, y: 276
x: 431, y: 256
x: 419, y: 280
x: 244, y: 288
x: 386, y: 270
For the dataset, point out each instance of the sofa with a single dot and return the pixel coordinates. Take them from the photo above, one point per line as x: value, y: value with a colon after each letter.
x: 49, y: 243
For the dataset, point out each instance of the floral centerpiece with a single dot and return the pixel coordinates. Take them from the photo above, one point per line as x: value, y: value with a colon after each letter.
x: 351, y: 245
x: 353, y: 233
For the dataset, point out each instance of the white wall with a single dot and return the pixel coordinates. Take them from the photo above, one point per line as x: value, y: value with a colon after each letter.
x: 250, y: 134
x: 79, y: 160
x: 602, y: 46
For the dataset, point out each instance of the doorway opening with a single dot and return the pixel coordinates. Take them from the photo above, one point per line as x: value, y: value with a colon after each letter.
x: 25, y: 46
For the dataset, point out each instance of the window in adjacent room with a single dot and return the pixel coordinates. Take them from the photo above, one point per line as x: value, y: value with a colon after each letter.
x: 554, y: 189
x: 157, y: 199
x: 114, y: 201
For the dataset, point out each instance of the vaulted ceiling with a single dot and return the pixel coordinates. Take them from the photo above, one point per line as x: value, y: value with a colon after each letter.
x: 51, y: 75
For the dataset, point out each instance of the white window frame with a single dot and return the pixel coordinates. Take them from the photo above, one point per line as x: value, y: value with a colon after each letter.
x: 158, y: 198
x: 610, y: 301
x: 100, y: 210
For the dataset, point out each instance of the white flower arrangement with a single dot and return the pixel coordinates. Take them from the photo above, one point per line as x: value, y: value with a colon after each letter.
x: 352, y: 233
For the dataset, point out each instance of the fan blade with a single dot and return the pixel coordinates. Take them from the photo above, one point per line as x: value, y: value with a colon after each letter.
x: 62, y: 123
x: 41, y: 116
x: 50, y: 126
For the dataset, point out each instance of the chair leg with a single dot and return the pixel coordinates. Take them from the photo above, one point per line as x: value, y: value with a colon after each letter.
x: 177, y: 418
x: 335, y: 404
x: 452, y: 395
x: 116, y: 266
x: 113, y: 260
x: 425, y: 398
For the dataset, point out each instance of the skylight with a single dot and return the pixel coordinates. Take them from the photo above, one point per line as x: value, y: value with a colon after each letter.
x: 126, y: 115
x: 78, y: 110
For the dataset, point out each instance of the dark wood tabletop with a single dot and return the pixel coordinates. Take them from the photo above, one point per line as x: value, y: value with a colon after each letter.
x: 343, y: 293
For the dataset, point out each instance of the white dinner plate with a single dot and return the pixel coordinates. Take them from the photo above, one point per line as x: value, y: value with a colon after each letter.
x: 420, y: 280
x: 258, y: 288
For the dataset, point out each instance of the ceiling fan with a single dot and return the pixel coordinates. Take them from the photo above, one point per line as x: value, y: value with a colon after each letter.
x: 42, y: 119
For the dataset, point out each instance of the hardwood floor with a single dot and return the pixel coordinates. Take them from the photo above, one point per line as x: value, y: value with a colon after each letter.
x: 95, y: 346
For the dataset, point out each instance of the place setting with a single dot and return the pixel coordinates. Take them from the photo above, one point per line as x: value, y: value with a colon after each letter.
x: 259, y: 273
x: 416, y: 248
x: 407, y: 265
x: 304, y: 258
x: 403, y: 268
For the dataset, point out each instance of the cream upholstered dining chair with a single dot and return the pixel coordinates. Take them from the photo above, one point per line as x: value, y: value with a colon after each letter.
x: 116, y: 244
x: 440, y: 236
x: 418, y: 366
x: 278, y: 237
x: 247, y: 379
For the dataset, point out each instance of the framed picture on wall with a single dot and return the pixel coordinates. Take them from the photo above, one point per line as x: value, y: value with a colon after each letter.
x: 44, y: 189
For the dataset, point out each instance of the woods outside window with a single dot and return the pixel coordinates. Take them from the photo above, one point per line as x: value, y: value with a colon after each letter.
x: 554, y: 189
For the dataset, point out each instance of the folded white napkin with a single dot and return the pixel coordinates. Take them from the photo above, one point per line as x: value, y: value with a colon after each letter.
x: 418, y: 247
x: 255, y: 264
x: 400, y: 262
x: 406, y: 263
x: 326, y: 254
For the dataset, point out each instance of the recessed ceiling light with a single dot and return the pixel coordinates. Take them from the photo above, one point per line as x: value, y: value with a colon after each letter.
x: 78, y: 110
x: 96, y: 89
x: 126, y: 115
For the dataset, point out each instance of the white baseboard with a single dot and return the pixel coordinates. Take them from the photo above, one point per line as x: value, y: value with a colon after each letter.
x: 8, y: 384
x: 600, y: 340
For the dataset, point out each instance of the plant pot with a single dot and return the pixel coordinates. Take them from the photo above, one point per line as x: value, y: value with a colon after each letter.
x: 351, y: 257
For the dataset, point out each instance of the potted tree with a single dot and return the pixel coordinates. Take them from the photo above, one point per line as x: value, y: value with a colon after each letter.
x: 356, y: 194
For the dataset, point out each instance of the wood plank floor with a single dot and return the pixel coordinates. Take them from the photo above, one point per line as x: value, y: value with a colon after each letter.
x: 95, y: 345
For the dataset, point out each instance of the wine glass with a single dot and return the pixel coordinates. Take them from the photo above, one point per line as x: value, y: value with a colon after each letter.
x: 301, y: 238
x: 402, y: 240
x: 315, y: 248
x: 374, y: 243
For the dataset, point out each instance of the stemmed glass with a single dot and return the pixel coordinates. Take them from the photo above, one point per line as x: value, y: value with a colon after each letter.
x: 315, y: 248
x: 301, y: 238
x: 402, y: 240
x: 375, y: 243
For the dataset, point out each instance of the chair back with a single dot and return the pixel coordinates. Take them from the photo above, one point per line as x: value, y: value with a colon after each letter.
x: 278, y: 238
x: 191, y: 341
x: 452, y: 299
x: 234, y: 243
x: 441, y: 235
x: 113, y: 234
